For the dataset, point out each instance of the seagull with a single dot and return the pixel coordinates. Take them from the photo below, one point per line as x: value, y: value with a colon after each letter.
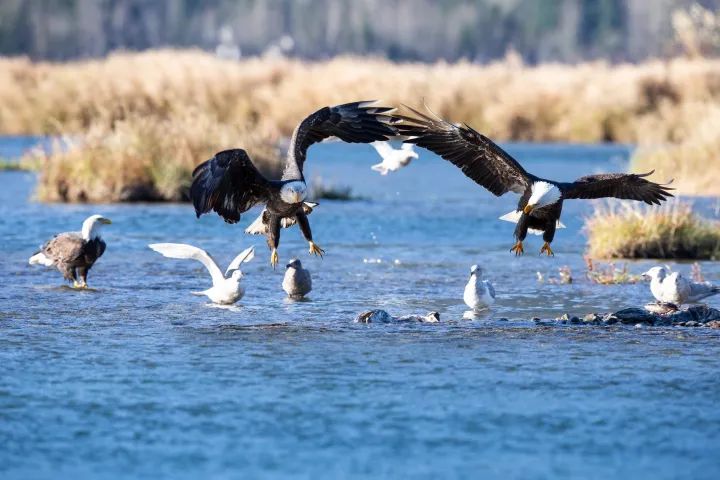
x: 674, y: 288
x: 226, y: 290
x: 74, y: 253
x: 297, y: 282
x: 392, y: 159
x: 381, y: 316
x: 479, y: 294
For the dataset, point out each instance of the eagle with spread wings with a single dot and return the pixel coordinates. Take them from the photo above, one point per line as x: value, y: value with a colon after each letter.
x: 541, y: 200
x: 230, y: 184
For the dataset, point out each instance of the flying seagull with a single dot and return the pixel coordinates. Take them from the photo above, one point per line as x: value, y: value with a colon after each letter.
x: 74, y: 253
x: 479, y: 294
x: 674, y: 288
x: 230, y: 184
x: 226, y: 290
x: 297, y: 281
x: 541, y: 200
x: 392, y: 159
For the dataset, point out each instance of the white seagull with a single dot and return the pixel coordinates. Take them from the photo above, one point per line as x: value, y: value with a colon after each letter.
x: 674, y: 288
x: 297, y: 282
x: 226, y: 290
x: 392, y: 159
x: 479, y: 294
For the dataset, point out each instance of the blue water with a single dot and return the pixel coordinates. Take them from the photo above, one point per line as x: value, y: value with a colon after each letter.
x: 142, y: 379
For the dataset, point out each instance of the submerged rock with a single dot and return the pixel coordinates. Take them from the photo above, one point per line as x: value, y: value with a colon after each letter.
x: 632, y: 316
x: 381, y: 316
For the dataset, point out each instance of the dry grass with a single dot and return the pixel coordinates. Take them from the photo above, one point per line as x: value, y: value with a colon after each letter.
x: 623, y: 230
x: 139, y: 159
x: 654, y: 104
x: 609, y: 274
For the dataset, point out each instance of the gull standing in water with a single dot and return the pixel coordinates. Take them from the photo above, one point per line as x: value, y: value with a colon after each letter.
x: 74, y: 253
x: 674, y: 288
x: 392, y: 159
x: 479, y: 294
x: 297, y: 282
x: 226, y: 290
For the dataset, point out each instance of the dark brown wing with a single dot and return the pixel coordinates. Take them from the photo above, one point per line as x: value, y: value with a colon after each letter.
x: 228, y: 183
x: 64, y: 247
x: 357, y: 122
x: 628, y: 186
x: 476, y: 155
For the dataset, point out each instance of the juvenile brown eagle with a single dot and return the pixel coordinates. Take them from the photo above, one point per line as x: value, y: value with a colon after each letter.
x: 541, y: 200
x: 74, y: 253
x: 230, y: 184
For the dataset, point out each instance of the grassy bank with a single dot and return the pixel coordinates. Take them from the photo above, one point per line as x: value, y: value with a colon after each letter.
x: 657, y: 104
x: 626, y: 230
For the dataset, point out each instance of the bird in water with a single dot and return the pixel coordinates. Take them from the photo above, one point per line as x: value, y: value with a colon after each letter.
x: 675, y: 289
x: 381, y: 316
x: 479, y: 294
x: 74, y: 253
x: 393, y: 159
x: 230, y: 184
x: 297, y: 281
x: 226, y: 288
x: 541, y: 200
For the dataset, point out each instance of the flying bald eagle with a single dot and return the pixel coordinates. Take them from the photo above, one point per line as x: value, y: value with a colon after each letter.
x: 74, y: 253
x: 230, y: 184
x: 541, y: 200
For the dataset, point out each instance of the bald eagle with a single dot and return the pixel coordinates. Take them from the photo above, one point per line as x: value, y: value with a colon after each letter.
x: 541, y: 200
x: 74, y: 253
x: 230, y: 184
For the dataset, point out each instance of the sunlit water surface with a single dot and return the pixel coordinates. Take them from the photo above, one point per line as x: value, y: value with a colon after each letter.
x: 140, y: 378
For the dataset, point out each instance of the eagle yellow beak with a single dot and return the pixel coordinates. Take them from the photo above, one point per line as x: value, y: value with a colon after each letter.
x: 528, y: 209
x: 105, y: 221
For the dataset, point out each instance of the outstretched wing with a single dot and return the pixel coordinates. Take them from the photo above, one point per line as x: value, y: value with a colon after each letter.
x: 244, y: 257
x: 184, y: 251
x: 357, y: 122
x: 476, y: 155
x: 228, y: 183
x: 627, y: 186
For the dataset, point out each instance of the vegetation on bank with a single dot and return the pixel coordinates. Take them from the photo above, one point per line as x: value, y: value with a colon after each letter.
x: 666, y: 107
x: 627, y: 230
x: 140, y: 159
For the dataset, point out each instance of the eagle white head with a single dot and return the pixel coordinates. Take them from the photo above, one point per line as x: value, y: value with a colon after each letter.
x: 542, y: 194
x: 91, y: 226
x: 293, y: 192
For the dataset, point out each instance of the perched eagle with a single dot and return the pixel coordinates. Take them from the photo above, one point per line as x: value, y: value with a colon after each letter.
x: 230, y: 184
x: 74, y: 253
x: 490, y: 166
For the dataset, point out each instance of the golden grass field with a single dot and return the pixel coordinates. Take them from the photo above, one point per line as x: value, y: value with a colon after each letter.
x: 141, y: 121
x: 632, y: 230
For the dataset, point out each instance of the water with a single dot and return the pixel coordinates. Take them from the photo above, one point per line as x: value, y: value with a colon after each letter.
x: 141, y: 379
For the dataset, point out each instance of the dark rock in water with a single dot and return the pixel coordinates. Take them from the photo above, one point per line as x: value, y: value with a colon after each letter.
x: 692, y: 323
x: 374, y: 316
x: 610, y: 319
x: 502, y: 319
x: 697, y: 313
x: 575, y: 320
x: 631, y: 316
x: 536, y: 319
x: 713, y: 324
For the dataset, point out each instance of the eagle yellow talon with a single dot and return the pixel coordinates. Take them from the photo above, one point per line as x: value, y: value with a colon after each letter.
x: 315, y: 250
x: 518, y: 248
x: 546, y: 249
x: 274, y: 258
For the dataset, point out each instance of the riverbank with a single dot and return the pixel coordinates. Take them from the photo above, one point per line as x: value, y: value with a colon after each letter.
x: 666, y: 107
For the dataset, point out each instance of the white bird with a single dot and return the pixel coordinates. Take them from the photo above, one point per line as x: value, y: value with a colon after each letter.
x: 226, y: 290
x: 392, y: 159
x: 676, y: 289
x: 297, y: 282
x: 479, y: 294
